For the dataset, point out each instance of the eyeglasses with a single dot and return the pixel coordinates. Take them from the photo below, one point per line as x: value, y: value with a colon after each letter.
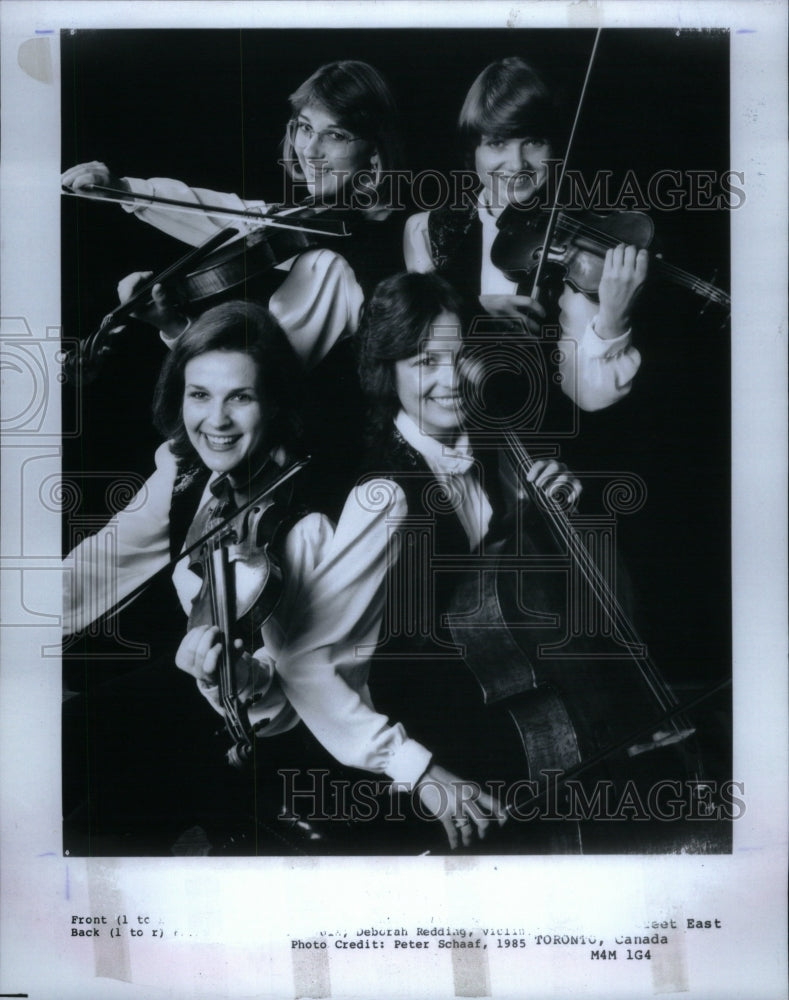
x: 331, y: 140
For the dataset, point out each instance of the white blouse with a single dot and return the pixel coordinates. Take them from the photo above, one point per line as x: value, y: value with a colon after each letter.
x: 595, y: 373
x: 315, y: 650
x: 319, y: 301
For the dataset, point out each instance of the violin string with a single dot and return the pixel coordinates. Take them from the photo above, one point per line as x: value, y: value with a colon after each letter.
x: 602, y: 241
x: 217, y: 575
x: 592, y: 575
x: 555, y: 215
x: 93, y: 342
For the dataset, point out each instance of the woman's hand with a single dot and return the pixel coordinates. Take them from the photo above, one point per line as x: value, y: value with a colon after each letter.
x: 199, y: 655
x: 462, y: 808
x: 162, y: 311
x: 555, y: 480
x: 624, y: 273
x: 515, y: 306
x: 93, y: 173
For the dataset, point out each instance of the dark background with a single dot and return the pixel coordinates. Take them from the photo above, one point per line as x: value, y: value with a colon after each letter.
x: 209, y: 107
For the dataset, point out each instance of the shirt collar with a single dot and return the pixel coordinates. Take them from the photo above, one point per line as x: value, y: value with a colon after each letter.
x: 486, y: 214
x: 229, y: 496
x: 440, y: 457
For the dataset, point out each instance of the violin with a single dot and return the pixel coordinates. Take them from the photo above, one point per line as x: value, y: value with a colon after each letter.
x: 220, y: 266
x: 577, y: 244
x: 241, y: 585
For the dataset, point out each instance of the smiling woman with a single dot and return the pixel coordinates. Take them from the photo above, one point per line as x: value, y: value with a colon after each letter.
x: 327, y: 155
x: 427, y: 383
x: 343, y: 137
x: 339, y: 145
x: 341, y: 141
x: 228, y: 402
x: 222, y: 413
x: 510, y: 128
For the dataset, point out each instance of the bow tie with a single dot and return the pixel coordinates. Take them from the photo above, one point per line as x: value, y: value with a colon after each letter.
x: 452, y: 462
x: 230, y: 497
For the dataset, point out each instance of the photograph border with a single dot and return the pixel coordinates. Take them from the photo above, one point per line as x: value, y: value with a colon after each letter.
x: 227, y: 946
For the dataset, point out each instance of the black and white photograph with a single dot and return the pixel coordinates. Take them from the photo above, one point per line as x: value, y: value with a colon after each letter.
x: 381, y: 527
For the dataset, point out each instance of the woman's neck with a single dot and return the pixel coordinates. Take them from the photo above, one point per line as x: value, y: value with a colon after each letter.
x: 447, y: 439
x: 245, y: 478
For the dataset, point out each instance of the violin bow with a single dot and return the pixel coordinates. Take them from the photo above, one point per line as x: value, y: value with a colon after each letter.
x: 287, y: 473
x: 553, y: 216
x: 98, y: 192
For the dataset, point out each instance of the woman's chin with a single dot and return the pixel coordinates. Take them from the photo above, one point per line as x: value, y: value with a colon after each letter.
x: 323, y: 187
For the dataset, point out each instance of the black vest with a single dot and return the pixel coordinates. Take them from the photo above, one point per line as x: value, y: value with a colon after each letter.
x: 417, y: 676
x: 456, y: 246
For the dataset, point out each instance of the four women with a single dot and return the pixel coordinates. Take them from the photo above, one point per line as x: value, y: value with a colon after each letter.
x: 229, y: 402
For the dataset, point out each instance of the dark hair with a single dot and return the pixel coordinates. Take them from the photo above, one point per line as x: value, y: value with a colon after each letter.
x: 509, y: 100
x: 361, y: 100
x: 395, y: 321
x: 249, y: 329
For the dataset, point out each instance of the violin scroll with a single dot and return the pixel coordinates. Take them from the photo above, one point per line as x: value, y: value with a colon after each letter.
x: 84, y: 361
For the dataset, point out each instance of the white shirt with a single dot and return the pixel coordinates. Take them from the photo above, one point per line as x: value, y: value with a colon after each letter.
x: 595, y: 373
x: 319, y: 301
x: 314, y: 658
x: 453, y: 468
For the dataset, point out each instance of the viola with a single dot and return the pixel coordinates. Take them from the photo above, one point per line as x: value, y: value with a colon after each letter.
x: 221, y: 265
x: 241, y: 585
x: 577, y: 243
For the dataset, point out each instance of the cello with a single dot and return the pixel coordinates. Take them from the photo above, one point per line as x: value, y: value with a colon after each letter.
x: 609, y: 761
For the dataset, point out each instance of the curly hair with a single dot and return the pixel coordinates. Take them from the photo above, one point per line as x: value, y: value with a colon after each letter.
x: 249, y: 329
x: 395, y: 321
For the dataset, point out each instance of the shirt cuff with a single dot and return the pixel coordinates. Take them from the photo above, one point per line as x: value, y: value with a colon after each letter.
x: 596, y: 347
x: 407, y: 764
x: 172, y: 341
x: 139, y: 189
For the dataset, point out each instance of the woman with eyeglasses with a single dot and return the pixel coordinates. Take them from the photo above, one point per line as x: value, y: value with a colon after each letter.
x: 340, y: 142
x: 510, y: 129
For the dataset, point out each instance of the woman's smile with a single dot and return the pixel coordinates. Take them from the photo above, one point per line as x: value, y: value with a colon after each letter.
x: 223, y: 414
x: 511, y: 170
x: 427, y: 383
x: 328, y: 154
x: 448, y: 402
x: 220, y: 442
